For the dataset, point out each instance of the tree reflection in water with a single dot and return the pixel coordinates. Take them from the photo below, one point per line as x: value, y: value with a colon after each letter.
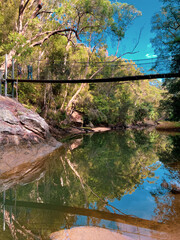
x: 167, y: 201
x: 94, y: 173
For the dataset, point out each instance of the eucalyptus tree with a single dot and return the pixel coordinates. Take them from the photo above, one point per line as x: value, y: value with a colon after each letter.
x: 166, y: 26
x: 82, y: 24
x: 117, y: 103
x: 36, y: 21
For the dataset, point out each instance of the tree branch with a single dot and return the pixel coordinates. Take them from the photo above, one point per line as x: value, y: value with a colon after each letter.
x: 82, y: 29
x: 43, y: 12
x: 53, y: 33
x: 23, y: 6
x: 38, y: 8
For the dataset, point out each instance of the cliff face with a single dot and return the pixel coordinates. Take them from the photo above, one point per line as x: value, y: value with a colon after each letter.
x: 18, y: 124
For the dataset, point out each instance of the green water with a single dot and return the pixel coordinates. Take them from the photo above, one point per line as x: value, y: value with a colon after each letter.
x: 98, y: 180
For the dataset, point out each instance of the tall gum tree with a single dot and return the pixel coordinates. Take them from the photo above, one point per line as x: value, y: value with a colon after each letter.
x: 166, y: 26
x: 36, y: 21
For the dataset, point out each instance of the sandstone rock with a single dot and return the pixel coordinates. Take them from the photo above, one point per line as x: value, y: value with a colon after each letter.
x: 25, y: 144
x: 26, y: 162
x: 7, y: 116
x: 76, y: 118
x: 88, y: 233
x: 173, y: 187
x: 19, y: 124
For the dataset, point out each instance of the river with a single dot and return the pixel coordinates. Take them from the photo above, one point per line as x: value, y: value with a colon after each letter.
x: 111, y: 180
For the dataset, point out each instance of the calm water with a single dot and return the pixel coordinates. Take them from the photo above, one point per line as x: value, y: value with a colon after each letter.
x: 110, y: 180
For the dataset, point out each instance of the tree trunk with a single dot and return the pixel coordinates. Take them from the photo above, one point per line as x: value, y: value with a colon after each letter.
x: 74, y: 97
x: 65, y: 96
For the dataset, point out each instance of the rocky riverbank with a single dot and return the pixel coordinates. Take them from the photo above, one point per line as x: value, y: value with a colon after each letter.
x: 20, y: 125
x: 25, y: 141
x: 168, y: 126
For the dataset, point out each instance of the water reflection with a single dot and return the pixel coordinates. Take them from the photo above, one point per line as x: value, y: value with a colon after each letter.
x: 104, y: 180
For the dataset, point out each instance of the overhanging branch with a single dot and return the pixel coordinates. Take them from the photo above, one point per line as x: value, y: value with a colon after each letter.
x: 52, y: 33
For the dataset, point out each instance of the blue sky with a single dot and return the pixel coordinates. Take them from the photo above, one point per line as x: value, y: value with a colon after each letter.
x: 145, y: 50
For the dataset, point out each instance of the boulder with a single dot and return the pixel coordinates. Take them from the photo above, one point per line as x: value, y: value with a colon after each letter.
x: 25, y: 144
x: 76, y: 118
x: 88, y: 233
x: 173, y: 187
x: 19, y: 124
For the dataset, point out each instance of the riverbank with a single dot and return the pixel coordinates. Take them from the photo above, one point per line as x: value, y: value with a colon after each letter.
x: 19, y: 124
x: 61, y: 133
x: 70, y: 131
x: 168, y: 126
x: 24, y: 142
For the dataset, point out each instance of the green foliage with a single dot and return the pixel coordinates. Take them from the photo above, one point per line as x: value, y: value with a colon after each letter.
x: 114, y: 103
x: 57, y: 56
x: 166, y: 26
x: 56, y: 116
x: 74, y: 19
x: 28, y: 94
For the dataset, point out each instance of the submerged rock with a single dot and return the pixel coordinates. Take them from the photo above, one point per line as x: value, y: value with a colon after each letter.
x: 88, y: 233
x: 173, y: 187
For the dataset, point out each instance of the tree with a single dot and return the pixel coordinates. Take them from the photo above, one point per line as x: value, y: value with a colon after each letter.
x: 116, y: 103
x: 166, y: 25
x: 36, y: 21
x: 70, y: 25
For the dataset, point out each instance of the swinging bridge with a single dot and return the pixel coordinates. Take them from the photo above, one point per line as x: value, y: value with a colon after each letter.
x: 116, y: 71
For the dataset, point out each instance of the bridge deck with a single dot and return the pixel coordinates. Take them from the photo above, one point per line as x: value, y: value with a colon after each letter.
x: 117, y: 79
